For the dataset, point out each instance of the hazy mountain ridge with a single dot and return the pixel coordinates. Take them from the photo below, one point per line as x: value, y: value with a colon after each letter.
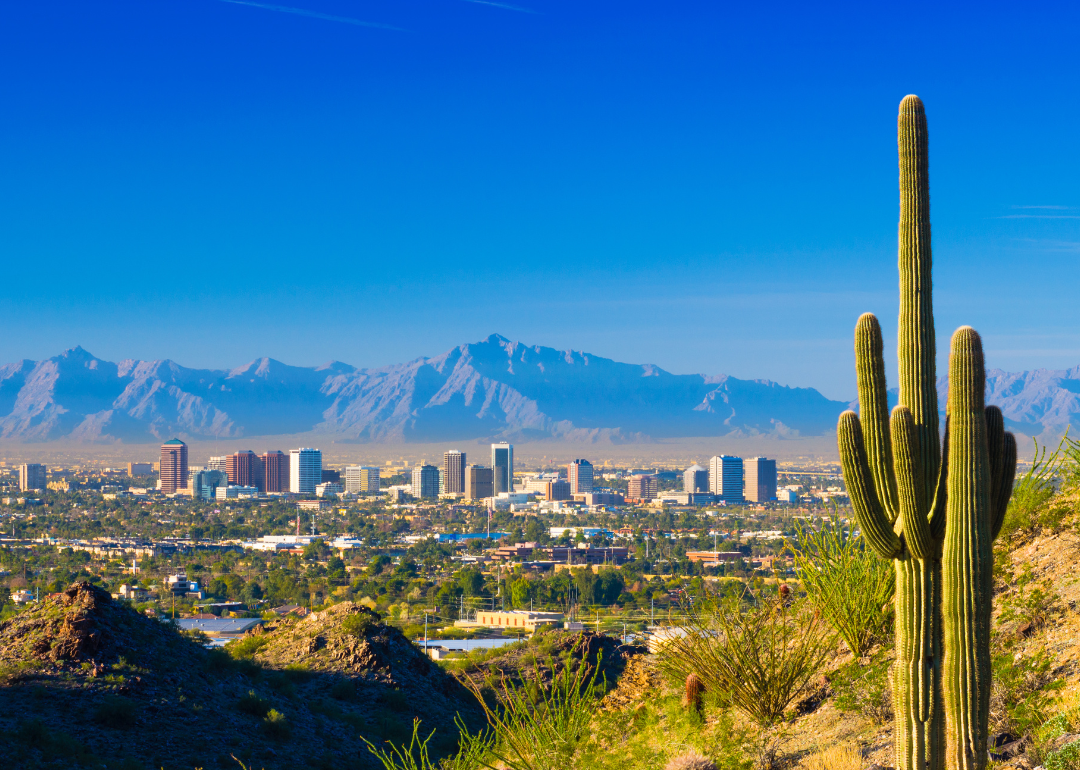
x: 493, y: 388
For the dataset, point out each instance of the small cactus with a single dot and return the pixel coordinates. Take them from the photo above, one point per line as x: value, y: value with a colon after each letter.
x: 695, y: 691
x: 690, y: 761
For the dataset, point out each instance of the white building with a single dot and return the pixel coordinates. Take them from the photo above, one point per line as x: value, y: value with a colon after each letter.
x: 695, y: 479
x: 218, y: 464
x: 362, y: 479
x: 305, y: 470
x: 233, y: 492
x: 329, y: 489
x: 726, y: 478
x: 32, y: 476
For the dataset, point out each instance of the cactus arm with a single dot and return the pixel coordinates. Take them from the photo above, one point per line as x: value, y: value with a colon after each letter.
x: 1004, y: 488
x: 905, y: 441
x: 967, y: 559
x: 874, y: 410
x: 916, y: 346
x: 875, y: 524
x: 941, y: 496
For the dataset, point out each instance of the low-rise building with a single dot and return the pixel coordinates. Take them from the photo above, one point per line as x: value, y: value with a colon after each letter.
x: 522, y: 620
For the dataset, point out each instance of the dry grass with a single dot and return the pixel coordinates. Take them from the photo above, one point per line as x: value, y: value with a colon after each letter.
x: 835, y: 758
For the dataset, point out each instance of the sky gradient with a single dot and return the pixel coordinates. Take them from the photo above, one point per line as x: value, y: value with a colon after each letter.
x: 709, y: 187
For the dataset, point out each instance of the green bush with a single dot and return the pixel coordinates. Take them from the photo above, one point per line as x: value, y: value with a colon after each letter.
x: 1067, y: 758
x: 247, y: 647
x: 115, y: 711
x: 254, y: 705
x: 358, y: 624
x: 864, y: 690
x: 276, y: 726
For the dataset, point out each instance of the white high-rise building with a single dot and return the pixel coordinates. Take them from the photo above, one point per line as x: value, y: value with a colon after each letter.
x: 32, y: 476
x: 218, y: 464
x: 502, y: 466
x: 580, y: 475
x: 305, y: 470
x: 362, y: 479
x: 726, y: 478
x: 695, y: 479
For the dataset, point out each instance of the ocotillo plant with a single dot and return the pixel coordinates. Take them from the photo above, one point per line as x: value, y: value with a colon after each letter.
x: 900, y: 477
x: 982, y: 465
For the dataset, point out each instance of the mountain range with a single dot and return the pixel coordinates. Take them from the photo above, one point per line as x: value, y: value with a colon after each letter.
x: 494, y: 388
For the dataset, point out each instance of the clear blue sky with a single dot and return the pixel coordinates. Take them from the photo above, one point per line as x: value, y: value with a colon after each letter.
x: 710, y: 187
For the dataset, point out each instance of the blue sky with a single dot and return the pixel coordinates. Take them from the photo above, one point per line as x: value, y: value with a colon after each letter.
x: 706, y: 186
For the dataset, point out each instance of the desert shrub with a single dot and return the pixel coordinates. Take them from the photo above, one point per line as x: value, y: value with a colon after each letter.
x: 276, y: 726
x: 1065, y: 758
x: 33, y: 733
x: 836, y: 758
x: 396, y: 700
x: 416, y: 756
x: 344, y: 689
x: 115, y: 711
x: 296, y: 673
x: 1023, y: 693
x: 253, y: 704
x: 1030, y: 602
x: 847, y: 582
x: 358, y: 624
x: 757, y: 653
x: 1031, y: 506
x: 547, y: 734
x: 690, y: 761
x: 864, y: 690
x: 247, y: 647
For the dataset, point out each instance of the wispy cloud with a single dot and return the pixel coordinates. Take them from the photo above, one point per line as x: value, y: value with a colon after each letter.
x: 507, y: 6
x: 315, y: 14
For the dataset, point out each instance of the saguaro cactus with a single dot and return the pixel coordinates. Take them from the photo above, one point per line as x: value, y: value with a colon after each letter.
x: 893, y: 466
x: 933, y: 509
x: 982, y: 464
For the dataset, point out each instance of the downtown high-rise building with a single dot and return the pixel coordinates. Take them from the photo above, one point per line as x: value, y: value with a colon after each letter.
x: 760, y: 479
x: 245, y: 469
x: 425, y: 481
x: 275, y: 471
x: 580, y: 475
x: 695, y: 479
x: 173, y: 467
x: 502, y: 466
x: 218, y: 464
x: 362, y: 480
x: 726, y: 478
x: 32, y: 476
x: 305, y: 470
x: 642, y: 486
x: 479, y: 482
x: 453, y: 472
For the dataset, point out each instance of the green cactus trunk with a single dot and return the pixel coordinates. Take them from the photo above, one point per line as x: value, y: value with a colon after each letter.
x: 934, y: 515
x: 968, y: 556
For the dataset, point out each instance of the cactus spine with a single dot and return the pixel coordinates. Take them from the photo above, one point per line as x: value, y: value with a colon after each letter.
x: 933, y: 509
x: 892, y: 465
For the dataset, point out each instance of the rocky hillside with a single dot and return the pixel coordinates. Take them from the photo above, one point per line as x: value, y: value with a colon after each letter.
x: 87, y: 681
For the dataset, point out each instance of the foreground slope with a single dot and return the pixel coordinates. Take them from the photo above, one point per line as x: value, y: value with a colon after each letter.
x: 88, y: 681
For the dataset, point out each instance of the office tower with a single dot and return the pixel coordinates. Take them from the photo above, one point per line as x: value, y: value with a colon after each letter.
x: 479, y: 482
x: 332, y: 476
x: 557, y: 489
x: 245, y: 469
x: 32, y: 476
x: 502, y: 465
x: 695, y: 479
x: 305, y: 470
x: 173, y: 470
x: 205, y: 483
x: 275, y: 471
x: 760, y: 479
x: 642, y: 487
x: 580, y: 475
x: 726, y: 478
x: 425, y: 481
x: 140, y: 469
x: 218, y: 464
x: 453, y: 472
x: 362, y: 480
